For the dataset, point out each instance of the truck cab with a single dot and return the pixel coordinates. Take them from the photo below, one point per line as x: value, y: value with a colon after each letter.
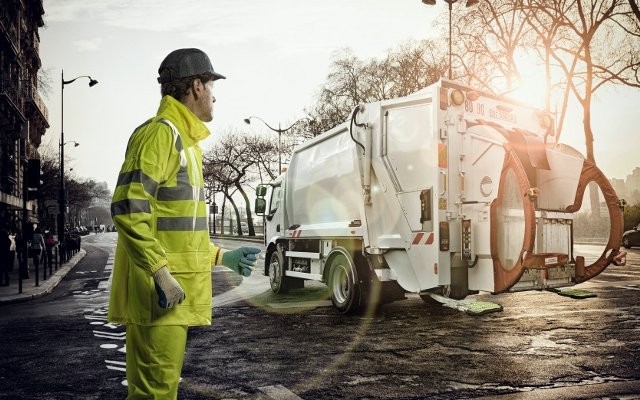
x: 269, y: 199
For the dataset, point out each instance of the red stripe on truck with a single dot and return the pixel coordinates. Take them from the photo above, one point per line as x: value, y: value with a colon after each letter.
x: 420, y: 239
x: 417, y: 238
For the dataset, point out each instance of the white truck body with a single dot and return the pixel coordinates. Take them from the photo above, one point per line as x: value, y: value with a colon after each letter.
x: 448, y: 190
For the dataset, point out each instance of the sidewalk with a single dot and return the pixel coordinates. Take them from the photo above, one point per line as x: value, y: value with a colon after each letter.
x: 9, y: 294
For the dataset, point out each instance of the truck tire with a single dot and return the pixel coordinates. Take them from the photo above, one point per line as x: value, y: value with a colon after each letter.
x: 344, y: 285
x: 279, y: 282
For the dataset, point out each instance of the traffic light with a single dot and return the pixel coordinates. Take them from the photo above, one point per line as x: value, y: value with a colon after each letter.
x: 33, y: 178
x: 33, y: 173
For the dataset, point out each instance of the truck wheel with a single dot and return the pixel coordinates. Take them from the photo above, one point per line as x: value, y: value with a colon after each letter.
x: 279, y: 282
x: 343, y: 285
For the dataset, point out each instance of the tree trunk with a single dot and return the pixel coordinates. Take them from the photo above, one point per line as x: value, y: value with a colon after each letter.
x: 237, y: 212
x: 247, y: 203
x: 588, y: 136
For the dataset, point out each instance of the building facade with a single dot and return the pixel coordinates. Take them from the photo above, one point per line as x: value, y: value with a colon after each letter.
x: 633, y: 184
x: 23, y: 114
x: 619, y: 186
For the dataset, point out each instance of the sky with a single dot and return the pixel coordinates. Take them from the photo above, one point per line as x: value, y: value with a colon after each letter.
x: 275, y: 54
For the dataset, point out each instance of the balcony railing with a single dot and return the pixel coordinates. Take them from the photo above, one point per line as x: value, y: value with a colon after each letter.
x: 9, y: 90
x: 36, y: 100
x: 9, y: 30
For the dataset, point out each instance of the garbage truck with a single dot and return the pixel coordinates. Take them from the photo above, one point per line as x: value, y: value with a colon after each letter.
x: 448, y: 191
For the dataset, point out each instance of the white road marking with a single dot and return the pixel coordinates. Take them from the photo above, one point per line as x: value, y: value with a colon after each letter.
x: 279, y: 392
x: 110, y: 335
x: 95, y: 317
x: 250, y: 287
x: 630, y: 287
x: 116, y: 365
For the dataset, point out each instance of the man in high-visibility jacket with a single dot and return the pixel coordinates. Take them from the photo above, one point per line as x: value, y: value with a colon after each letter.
x: 162, y: 271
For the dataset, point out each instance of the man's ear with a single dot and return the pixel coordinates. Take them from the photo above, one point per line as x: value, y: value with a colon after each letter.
x: 196, y: 88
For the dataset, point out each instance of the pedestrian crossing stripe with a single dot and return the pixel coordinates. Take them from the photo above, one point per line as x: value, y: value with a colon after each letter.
x: 110, y: 335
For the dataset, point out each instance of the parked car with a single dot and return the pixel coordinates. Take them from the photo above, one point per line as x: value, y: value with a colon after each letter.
x: 632, y: 237
x: 245, y: 228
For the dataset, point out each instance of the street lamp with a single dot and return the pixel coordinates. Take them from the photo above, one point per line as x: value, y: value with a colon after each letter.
x: 280, y: 131
x: 62, y: 196
x: 469, y: 3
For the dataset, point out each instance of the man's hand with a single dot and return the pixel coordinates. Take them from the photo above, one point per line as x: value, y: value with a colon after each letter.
x: 169, y: 291
x: 241, y: 260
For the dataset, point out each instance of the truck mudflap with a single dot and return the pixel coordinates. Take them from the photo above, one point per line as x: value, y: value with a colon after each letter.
x: 611, y: 253
x: 512, y: 217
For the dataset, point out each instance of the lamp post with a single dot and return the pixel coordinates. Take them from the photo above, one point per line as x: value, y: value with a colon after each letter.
x: 62, y: 196
x: 280, y: 131
x: 469, y: 3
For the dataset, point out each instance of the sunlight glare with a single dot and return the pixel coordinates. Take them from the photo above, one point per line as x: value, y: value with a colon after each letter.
x: 529, y: 87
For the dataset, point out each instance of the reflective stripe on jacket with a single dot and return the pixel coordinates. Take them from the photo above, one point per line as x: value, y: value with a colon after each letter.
x: 158, y: 207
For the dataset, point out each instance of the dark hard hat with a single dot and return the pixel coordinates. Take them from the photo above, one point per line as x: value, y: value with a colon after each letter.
x: 183, y: 63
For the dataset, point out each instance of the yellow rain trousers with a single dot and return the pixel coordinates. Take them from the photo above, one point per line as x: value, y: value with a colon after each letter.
x: 159, y: 209
x: 164, y: 345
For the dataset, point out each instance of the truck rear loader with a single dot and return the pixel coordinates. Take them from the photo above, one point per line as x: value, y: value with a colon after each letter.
x: 448, y: 191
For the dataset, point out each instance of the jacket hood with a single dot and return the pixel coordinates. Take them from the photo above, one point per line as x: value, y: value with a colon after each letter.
x: 185, y: 120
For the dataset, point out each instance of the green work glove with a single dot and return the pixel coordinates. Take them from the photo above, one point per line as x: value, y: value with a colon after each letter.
x: 241, y: 260
x: 169, y: 291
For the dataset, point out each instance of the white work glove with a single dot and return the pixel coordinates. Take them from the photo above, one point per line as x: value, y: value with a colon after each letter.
x: 169, y: 291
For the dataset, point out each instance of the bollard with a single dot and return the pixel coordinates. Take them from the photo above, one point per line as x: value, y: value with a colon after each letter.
x: 36, y: 265
x: 62, y: 252
x: 49, y: 261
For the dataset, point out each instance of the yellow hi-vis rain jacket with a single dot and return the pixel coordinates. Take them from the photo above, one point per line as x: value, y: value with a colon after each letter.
x: 158, y: 207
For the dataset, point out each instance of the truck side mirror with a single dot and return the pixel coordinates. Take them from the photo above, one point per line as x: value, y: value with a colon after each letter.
x: 260, y: 206
x: 261, y: 191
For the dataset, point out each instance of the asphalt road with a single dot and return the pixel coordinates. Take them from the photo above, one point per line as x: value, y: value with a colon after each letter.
x: 263, y: 346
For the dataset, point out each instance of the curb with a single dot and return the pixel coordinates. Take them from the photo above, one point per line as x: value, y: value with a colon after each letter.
x: 256, y: 239
x: 46, y: 287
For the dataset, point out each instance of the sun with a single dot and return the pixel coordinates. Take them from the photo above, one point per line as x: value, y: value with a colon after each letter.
x: 529, y: 86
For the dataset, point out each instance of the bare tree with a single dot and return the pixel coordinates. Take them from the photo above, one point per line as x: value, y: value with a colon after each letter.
x: 605, y: 50
x: 416, y: 65
x: 81, y: 193
x: 342, y: 91
x: 488, y: 40
x: 218, y: 177
x: 634, y: 8
x: 232, y: 164
x: 583, y: 45
x: 264, y: 154
x: 352, y: 81
x: 45, y: 81
x: 590, y: 44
